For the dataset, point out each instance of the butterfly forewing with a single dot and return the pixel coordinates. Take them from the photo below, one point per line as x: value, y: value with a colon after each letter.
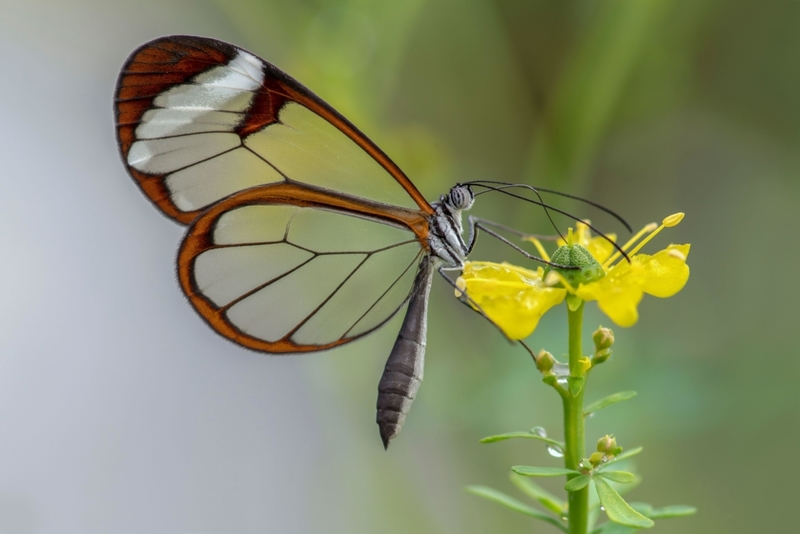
x: 199, y: 120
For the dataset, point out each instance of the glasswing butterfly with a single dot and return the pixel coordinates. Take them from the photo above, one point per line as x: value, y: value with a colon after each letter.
x: 302, y: 235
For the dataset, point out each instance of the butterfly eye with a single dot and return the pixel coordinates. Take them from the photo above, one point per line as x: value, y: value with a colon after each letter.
x: 461, y: 197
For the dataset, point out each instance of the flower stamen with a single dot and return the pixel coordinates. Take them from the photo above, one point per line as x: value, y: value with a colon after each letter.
x: 539, y: 248
x: 648, y: 228
x: 668, y: 222
x: 673, y: 220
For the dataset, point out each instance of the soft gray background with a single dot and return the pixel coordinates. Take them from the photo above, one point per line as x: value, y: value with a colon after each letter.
x: 121, y: 412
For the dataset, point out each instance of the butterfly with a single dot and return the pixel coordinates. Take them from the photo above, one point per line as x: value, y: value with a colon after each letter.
x: 302, y: 235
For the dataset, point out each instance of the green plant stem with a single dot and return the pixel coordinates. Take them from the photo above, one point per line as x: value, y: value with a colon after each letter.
x: 574, y: 438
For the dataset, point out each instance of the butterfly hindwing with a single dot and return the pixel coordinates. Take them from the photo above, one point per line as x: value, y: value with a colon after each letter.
x: 278, y: 269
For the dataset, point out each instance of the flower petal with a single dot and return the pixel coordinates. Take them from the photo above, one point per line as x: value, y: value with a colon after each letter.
x: 514, y: 298
x: 615, y: 297
x: 664, y: 273
x: 621, y: 307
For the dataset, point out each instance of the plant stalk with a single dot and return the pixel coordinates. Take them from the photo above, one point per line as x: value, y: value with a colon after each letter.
x: 574, y: 430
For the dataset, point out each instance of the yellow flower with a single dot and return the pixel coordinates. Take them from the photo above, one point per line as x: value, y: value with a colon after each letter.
x: 515, y: 298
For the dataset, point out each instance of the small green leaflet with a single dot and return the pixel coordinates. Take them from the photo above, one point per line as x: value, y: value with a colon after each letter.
x: 608, y: 401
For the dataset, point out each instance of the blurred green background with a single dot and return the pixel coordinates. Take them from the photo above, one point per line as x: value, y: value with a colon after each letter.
x: 647, y: 106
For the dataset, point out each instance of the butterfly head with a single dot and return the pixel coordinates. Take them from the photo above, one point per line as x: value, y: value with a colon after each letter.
x: 460, y: 197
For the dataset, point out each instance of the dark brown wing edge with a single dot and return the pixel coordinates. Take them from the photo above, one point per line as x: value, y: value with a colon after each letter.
x: 159, y: 64
x: 150, y: 70
x: 199, y: 239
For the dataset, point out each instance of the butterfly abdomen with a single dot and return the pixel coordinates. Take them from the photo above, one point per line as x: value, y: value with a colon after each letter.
x: 402, y: 375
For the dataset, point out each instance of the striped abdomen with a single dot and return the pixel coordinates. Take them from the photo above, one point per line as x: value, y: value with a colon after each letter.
x: 402, y: 375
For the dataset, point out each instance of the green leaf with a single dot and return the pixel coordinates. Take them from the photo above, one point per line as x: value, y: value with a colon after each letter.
x: 513, y: 504
x: 617, y: 509
x: 642, y: 507
x: 573, y: 301
x: 593, y: 513
x: 575, y: 384
x: 528, y: 435
x: 578, y: 483
x: 623, y: 477
x: 614, y: 528
x: 533, y: 471
x: 608, y: 401
x: 625, y: 455
x: 550, y: 380
x: 594, y: 500
x: 539, y: 494
x: 646, y: 510
x: 676, y: 510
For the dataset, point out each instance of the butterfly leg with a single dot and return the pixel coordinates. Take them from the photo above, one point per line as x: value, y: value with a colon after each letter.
x: 514, y: 231
x: 465, y: 299
x: 476, y: 224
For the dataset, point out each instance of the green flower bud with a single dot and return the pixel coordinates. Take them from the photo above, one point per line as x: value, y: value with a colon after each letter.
x: 596, y: 458
x: 601, y: 356
x: 586, y: 464
x: 606, y: 444
x: 615, y: 451
x: 589, y: 270
x: 545, y: 362
x: 603, y: 338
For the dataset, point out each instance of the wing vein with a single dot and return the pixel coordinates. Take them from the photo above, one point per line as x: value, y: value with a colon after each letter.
x: 301, y: 247
x: 187, y: 134
x: 415, y: 260
x: 268, y: 162
x: 327, y: 299
x: 265, y: 284
x: 170, y: 173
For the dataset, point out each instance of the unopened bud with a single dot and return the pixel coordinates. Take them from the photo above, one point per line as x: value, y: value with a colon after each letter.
x: 596, y: 458
x: 545, y: 362
x: 586, y: 464
x: 606, y: 444
x: 603, y: 338
x: 601, y: 356
x: 550, y: 379
x: 615, y: 451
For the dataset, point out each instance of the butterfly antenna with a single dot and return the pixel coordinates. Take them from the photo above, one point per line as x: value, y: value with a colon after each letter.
x: 541, y: 201
x: 559, y: 193
x: 503, y: 188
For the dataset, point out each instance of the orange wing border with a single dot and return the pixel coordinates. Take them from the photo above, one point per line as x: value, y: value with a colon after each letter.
x: 162, y: 63
x: 198, y: 239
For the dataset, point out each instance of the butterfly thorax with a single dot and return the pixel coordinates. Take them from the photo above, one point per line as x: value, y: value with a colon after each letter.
x: 445, y: 240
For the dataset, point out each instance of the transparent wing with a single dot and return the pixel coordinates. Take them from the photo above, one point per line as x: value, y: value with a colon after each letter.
x: 199, y: 119
x: 290, y: 277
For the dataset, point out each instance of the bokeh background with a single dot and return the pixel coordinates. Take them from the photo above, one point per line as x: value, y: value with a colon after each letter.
x: 121, y: 412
